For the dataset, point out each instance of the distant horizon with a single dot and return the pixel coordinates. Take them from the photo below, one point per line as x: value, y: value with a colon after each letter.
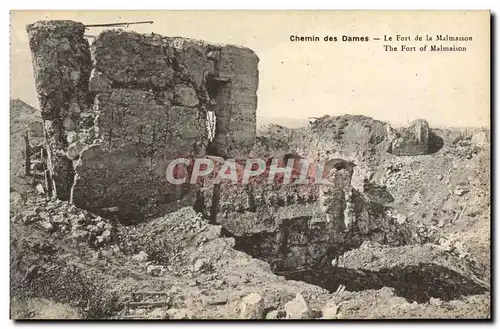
x: 304, y: 122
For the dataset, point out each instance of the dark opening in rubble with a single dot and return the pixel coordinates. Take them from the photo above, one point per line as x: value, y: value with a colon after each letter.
x: 435, y: 142
x: 414, y: 283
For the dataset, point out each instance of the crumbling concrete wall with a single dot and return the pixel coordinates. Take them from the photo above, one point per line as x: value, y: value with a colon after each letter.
x: 62, y: 65
x: 413, y: 140
x: 301, y: 226
x: 145, y: 100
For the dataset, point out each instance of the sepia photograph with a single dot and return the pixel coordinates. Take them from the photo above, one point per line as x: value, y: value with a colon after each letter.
x: 250, y: 165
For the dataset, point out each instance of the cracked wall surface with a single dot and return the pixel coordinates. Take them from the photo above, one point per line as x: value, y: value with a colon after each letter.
x: 62, y: 65
x: 117, y: 111
x: 302, y: 226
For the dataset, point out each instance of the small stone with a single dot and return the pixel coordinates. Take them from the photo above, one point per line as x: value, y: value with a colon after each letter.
x: 16, y: 198
x: 75, y: 149
x: 106, y: 233
x: 273, y: 315
x: 46, y: 225
x: 40, y: 189
x: 185, y: 96
x: 459, y: 191
x: 106, y: 253
x: 29, y: 216
x: 401, y: 219
x: 100, y: 225
x: 58, y: 219
x: 330, y: 310
x: 417, y: 199
x: 81, y: 219
x: 158, y: 314
x: 199, y: 264
x: 68, y: 124
x: 74, y: 108
x: 179, y: 314
x: 92, y: 228
x: 297, y: 308
x: 218, y: 284
x: 155, y: 270
x: 79, y: 235
x: 36, y: 165
x: 440, y: 177
x: 140, y: 257
x: 435, y: 301
x: 252, y: 307
x: 71, y: 137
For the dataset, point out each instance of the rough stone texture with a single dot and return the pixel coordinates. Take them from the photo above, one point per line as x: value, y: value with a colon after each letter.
x: 330, y: 310
x: 62, y: 65
x: 413, y: 140
x: 297, y: 308
x: 301, y: 226
x: 252, y: 307
x: 117, y: 113
x: 236, y: 127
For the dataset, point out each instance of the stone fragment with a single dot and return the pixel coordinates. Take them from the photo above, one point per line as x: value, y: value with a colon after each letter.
x: 46, y: 225
x: 297, y: 308
x: 140, y: 257
x: 200, y: 265
x: 185, y: 96
x: 29, y: 216
x: 180, y: 314
x: 460, y: 191
x: 401, y: 219
x: 410, y: 141
x: 330, y: 310
x: 252, y: 307
x: 155, y: 270
x: 40, y: 189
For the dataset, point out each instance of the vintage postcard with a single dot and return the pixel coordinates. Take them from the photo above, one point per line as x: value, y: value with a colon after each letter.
x: 267, y: 165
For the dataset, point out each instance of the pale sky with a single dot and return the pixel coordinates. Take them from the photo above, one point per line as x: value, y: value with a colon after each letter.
x: 302, y: 79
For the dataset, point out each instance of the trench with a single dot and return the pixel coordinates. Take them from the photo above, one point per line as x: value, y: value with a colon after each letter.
x: 415, y: 282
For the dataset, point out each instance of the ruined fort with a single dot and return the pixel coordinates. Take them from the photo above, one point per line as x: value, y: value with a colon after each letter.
x: 398, y: 227
x: 117, y: 110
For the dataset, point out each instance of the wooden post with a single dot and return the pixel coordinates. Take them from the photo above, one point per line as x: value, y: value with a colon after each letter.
x: 27, y: 154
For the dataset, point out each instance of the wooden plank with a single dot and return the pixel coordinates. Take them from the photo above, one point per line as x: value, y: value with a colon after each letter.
x: 148, y: 304
x: 27, y: 154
